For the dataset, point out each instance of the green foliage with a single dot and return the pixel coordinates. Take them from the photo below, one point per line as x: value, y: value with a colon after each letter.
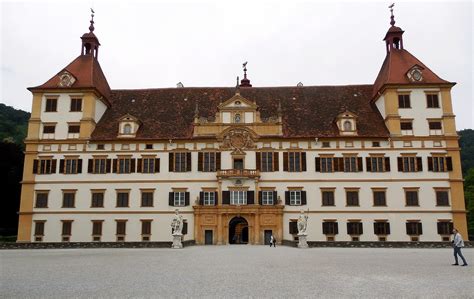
x: 466, y: 142
x: 13, y: 124
x: 469, y: 197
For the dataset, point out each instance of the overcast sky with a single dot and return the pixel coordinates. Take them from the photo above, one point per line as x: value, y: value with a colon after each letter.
x: 203, y: 43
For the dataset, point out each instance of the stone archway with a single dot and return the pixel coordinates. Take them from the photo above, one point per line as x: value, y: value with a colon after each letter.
x: 238, y: 230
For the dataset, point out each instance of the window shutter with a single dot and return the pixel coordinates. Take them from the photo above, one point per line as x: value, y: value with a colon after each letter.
x: 387, y: 164
x: 188, y: 161
x: 293, y: 227
x: 360, y: 167
x: 186, y: 198
x: 349, y: 228
x: 368, y: 165
x: 375, y: 229
x: 114, y: 167
x: 226, y: 197
x: 201, y: 198
x: 430, y: 163
x: 336, y: 228
x: 285, y: 161
x: 250, y: 197
x: 53, y: 165
x: 440, y: 228
x: 79, y: 166
x: 361, y: 228
x: 419, y: 164
x: 449, y: 163
x: 303, y: 161
x: 318, y: 164
x: 216, y: 197
x: 61, y: 166
x: 108, y: 165
x: 276, y: 161
x: 258, y: 160
x: 303, y: 198
x: 218, y: 160
x: 184, y: 231
x: 420, y: 227
x: 400, y: 163
x: 325, y: 228
x: 275, y: 197
x: 171, y: 199
x: 260, y: 201
x: 335, y: 161
x: 139, y: 165
x: 90, y: 165
x: 287, y: 198
x: 35, y: 166
x: 409, y: 232
x: 171, y: 162
x: 200, y: 158
x: 387, y: 228
x: 157, y: 165
x: 132, y: 165
x: 341, y: 164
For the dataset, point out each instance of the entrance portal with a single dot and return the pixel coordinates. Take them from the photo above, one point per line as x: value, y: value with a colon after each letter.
x: 238, y: 231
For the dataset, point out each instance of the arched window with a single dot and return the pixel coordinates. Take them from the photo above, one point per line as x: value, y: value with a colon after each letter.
x: 237, y: 118
x: 347, y: 126
x: 127, y: 129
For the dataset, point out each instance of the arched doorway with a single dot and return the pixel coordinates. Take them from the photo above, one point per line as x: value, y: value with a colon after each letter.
x: 238, y: 231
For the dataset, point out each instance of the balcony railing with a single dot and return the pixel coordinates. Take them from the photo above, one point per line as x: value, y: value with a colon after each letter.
x: 238, y: 173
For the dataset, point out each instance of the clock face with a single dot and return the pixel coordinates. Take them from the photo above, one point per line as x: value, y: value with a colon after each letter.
x: 66, y: 80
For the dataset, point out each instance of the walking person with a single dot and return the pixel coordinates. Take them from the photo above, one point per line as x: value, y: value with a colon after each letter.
x: 271, y: 240
x: 274, y: 241
x: 458, y: 243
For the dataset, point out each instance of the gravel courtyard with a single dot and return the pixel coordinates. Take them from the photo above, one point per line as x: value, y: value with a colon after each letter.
x: 235, y: 271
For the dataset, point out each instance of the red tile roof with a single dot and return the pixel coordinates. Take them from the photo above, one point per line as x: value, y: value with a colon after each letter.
x: 88, y: 73
x: 395, y: 67
x: 168, y: 113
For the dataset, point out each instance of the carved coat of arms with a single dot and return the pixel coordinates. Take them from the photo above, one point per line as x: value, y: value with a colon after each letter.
x: 238, y: 139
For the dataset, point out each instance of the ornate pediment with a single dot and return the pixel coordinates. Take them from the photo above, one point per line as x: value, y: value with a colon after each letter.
x: 238, y: 139
x: 237, y: 102
x: 66, y: 79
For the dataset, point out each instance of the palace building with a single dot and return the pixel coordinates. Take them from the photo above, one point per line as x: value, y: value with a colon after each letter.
x: 374, y: 162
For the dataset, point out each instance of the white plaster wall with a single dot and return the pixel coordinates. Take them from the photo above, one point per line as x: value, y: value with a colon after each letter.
x: 100, y: 109
x: 61, y: 117
x: 226, y: 117
x: 380, y: 103
x: 249, y: 117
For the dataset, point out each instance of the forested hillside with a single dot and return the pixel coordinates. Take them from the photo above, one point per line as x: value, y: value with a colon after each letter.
x: 13, y: 124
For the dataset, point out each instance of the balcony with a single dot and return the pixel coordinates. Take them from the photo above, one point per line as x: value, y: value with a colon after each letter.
x: 238, y: 173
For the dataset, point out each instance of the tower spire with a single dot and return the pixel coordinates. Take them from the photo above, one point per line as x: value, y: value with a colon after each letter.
x: 245, y: 82
x: 91, y: 27
x: 90, y: 42
x: 392, y: 17
x: 393, y: 39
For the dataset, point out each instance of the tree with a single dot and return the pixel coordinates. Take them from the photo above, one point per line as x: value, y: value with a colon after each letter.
x: 469, y: 197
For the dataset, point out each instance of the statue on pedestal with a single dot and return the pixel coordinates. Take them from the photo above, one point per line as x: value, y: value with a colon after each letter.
x: 302, y: 235
x: 177, y: 226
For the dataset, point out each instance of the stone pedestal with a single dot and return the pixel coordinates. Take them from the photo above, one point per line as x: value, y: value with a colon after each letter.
x: 302, y: 241
x: 177, y: 241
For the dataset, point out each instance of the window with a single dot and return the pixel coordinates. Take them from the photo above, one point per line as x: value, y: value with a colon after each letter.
x: 267, y: 161
x: 380, y: 198
x: 409, y: 164
x: 411, y: 197
x: 41, y: 200
x: 68, y: 199
x: 440, y: 164
x: 74, y: 129
x: 293, y: 227
x: 404, y: 101
x: 76, y: 105
x: 146, y: 227
x: 149, y: 146
x: 207, y: 161
x: 330, y: 228
x: 414, y: 228
x: 100, y: 165
x: 125, y: 165
x: 352, y: 198
x: 354, y: 228
x: 39, y: 228
x: 406, y: 127
x: 44, y: 166
x: 350, y: 164
x: 67, y: 228
x: 432, y: 101
x: 121, y: 228
x: 295, y: 198
x: 51, y: 105
x: 267, y: 198
x: 179, y: 199
x: 70, y: 165
x: 97, y: 227
x: 49, y: 129
x: 375, y: 144
x: 122, y: 199
x: 209, y: 198
x: 326, y: 144
x: 127, y: 129
x: 328, y: 198
x: 97, y: 199
x: 147, y: 198
x: 442, y: 198
x: 445, y: 227
x: 148, y: 165
x: 326, y: 164
x: 382, y: 228
x: 100, y: 146
x: 294, y: 161
x: 377, y: 164
x: 238, y: 197
x: 180, y: 161
x: 435, y: 128
x: 347, y: 126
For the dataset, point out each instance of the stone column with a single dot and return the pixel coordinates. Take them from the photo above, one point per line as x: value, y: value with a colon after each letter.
x: 219, y: 230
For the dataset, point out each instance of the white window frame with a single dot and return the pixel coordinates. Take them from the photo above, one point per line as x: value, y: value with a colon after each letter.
x: 238, y: 197
x: 295, y: 197
x: 209, y: 198
x: 267, y: 198
x: 267, y: 161
x: 179, y: 198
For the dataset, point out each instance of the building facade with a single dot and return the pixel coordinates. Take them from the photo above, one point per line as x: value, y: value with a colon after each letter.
x: 376, y: 162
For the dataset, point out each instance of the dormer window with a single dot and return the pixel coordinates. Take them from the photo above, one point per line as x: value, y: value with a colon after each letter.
x: 128, y: 126
x: 347, y: 123
x: 237, y: 103
x: 347, y: 126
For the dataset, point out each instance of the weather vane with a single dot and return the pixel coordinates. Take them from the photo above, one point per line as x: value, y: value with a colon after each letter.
x: 392, y: 22
x: 91, y: 27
